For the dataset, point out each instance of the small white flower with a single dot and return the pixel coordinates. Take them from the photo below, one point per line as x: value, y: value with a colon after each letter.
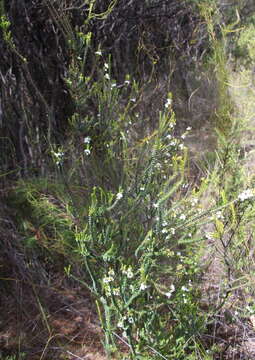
x: 155, y: 205
x: 120, y: 324
x: 181, y: 146
x: 128, y: 272
x: 99, y: 53
x: 246, y: 194
x: 107, y: 76
x: 183, y: 217
x: 172, y: 230
x: 169, y: 136
x: 172, y: 287
x: 142, y: 188
x: 133, y: 100
x: 130, y: 320
x: 189, y: 128
x: 113, y: 85
x: 116, y: 292
x: 168, y: 103
x: 194, y: 201
x: 119, y: 196
x: 184, y: 288
x: 126, y: 82
x: 87, y: 152
x: 164, y: 223
x: 219, y: 215
x: 87, y: 140
x: 143, y: 286
x: 164, y: 231
x: 168, y: 294
x: 209, y: 236
x: 183, y: 136
x: 111, y: 272
x: 106, y: 66
x: 107, y: 279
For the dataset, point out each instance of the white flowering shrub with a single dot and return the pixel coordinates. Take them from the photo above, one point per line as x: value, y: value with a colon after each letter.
x: 143, y: 229
x: 139, y: 239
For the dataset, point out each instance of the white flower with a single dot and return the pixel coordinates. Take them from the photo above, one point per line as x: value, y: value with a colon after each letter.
x: 116, y: 291
x: 142, y: 188
x: 143, y: 286
x: 169, y: 293
x: 169, y: 136
x: 219, y: 215
x: 87, y: 152
x: 194, y: 201
x: 181, y: 146
x: 168, y: 103
x: 164, y: 223
x: 182, y: 217
x: 120, y: 324
x: 133, y: 100
x: 119, y: 196
x: 107, y: 76
x: 209, y: 236
x: 113, y: 85
x: 111, y: 272
x: 184, y: 288
x: 172, y: 230
x: 246, y: 194
x: 99, y: 53
x: 155, y: 205
x: 106, y: 66
x: 87, y: 140
x: 164, y: 231
x: 189, y: 128
x: 130, y: 320
x: 126, y: 82
x: 128, y: 272
x: 108, y: 279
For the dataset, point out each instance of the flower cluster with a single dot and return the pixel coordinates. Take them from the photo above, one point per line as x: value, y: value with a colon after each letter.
x: 127, y: 271
x: 170, y: 292
x: 246, y: 194
x: 58, y: 156
x: 87, y: 141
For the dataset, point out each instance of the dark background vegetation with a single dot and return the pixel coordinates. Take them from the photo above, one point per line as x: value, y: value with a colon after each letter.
x: 36, y: 103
